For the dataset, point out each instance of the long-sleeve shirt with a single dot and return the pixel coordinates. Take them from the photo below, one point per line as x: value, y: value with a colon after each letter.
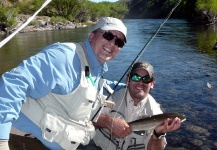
x: 126, y: 110
x: 55, y: 69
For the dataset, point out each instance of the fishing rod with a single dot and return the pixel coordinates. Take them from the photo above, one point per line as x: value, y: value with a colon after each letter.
x: 3, y: 42
x: 94, y: 118
x: 137, y: 57
x: 145, y: 46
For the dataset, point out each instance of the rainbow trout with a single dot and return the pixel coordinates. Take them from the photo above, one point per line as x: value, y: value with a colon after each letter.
x: 153, y: 121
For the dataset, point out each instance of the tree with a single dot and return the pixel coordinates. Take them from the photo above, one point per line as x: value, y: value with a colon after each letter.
x: 7, y: 17
x: 30, y: 6
x: 73, y: 10
x: 207, y: 10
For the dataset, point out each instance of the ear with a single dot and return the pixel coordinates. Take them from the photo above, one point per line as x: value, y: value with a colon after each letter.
x: 127, y: 79
x: 152, y: 84
x: 91, y: 35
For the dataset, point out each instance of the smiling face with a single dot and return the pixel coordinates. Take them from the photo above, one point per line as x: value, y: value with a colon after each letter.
x: 104, y: 50
x: 139, y: 90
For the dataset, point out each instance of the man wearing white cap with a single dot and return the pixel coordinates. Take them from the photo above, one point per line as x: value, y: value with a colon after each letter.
x: 55, y: 94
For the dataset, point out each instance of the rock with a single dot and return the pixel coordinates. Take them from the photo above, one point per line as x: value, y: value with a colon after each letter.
x: 197, y: 142
x: 43, y: 23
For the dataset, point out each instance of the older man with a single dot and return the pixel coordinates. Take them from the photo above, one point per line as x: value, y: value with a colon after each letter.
x: 59, y: 89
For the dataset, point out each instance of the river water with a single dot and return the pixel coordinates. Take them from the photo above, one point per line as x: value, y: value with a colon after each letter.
x: 185, y: 69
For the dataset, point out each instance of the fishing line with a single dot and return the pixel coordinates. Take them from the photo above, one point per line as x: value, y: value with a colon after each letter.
x: 137, y: 57
x: 3, y: 42
x: 146, y: 45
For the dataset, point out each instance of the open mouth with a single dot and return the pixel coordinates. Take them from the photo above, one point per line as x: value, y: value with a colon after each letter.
x: 107, y: 50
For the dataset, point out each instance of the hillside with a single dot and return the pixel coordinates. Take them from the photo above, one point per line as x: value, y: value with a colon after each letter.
x: 139, y: 9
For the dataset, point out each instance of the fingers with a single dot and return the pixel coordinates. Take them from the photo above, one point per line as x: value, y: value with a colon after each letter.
x: 172, y: 124
x: 121, y: 133
x: 169, y: 125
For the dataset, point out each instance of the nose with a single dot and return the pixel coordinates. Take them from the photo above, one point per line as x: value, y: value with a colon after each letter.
x: 112, y: 42
x: 141, y: 82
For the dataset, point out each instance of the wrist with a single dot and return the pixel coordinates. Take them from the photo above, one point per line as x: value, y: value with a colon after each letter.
x: 158, y: 135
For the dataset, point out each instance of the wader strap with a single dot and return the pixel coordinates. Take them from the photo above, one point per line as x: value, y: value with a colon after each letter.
x: 119, y: 144
x: 105, y: 103
x: 87, y: 68
x: 108, y: 136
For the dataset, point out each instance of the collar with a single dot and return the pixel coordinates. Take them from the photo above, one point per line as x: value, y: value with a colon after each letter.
x: 97, y: 69
x: 130, y: 101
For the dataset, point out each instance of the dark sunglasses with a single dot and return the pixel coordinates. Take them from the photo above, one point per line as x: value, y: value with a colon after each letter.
x: 146, y: 79
x: 109, y: 36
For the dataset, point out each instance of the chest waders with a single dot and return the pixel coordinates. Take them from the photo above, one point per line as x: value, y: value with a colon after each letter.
x: 66, y: 119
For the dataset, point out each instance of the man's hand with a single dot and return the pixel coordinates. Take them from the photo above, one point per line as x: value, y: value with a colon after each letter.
x: 168, y: 125
x: 116, y: 126
x: 119, y: 128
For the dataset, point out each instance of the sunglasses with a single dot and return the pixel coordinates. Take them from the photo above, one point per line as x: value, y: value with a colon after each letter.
x: 109, y: 36
x: 146, y: 79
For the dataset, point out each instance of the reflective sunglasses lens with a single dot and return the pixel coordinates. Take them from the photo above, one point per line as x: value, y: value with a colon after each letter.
x: 147, y: 79
x: 135, y: 78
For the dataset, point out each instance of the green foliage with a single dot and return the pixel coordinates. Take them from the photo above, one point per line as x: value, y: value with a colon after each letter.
x: 117, y: 10
x: 30, y: 6
x: 83, y: 10
x: 206, y: 40
x: 72, y: 10
x: 210, y: 5
x: 64, y: 8
x: 8, y: 15
x: 57, y: 19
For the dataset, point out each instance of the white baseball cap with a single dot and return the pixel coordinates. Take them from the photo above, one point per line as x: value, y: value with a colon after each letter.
x: 109, y: 23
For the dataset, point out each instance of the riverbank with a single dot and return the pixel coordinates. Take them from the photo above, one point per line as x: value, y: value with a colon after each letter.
x: 42, y: 23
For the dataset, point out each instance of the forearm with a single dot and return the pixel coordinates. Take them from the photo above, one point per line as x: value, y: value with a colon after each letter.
x: 156, y: 144
x: 103, y: 121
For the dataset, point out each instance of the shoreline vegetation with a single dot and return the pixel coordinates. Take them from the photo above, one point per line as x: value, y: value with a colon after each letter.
x: 43, y: 23
x: 81, y: 12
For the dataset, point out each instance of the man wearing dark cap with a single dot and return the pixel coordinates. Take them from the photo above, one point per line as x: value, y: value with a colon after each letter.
x: 133, y: 103
x: 53, y: 95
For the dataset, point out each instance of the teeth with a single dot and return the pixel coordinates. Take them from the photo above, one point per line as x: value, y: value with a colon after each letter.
x: 107, y: 50
x: 139, y: 88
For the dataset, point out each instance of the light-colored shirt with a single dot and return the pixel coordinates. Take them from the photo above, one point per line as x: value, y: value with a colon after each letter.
x: 125, y: 109
x: 55, y: 69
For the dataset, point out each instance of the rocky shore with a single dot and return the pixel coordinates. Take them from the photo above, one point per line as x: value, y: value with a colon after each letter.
x: 41, y: 23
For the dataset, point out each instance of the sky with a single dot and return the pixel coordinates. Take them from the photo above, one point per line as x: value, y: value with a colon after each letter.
x: 104, y: 0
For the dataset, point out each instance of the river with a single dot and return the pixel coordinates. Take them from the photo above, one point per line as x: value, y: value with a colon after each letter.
x: 185, y: 69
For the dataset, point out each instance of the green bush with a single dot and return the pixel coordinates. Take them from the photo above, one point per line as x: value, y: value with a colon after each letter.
x: 8, y: 15
x: 57, y: 19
